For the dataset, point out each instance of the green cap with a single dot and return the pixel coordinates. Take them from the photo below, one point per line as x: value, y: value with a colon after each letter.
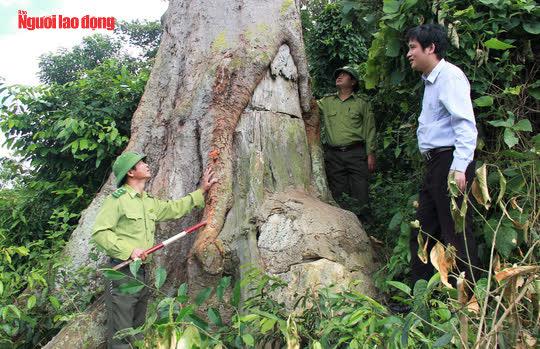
x: 124, y: 163
x: 350, y: 70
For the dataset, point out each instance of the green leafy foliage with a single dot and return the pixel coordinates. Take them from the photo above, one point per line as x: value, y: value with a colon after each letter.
x: 63, y: 137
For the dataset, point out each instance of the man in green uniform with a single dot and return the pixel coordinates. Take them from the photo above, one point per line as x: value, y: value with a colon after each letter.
x: 124, y: 229
x: 348, y: 137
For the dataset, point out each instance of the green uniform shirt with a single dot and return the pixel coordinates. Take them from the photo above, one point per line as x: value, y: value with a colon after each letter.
x: 127, y: 219
x: 347, y: 122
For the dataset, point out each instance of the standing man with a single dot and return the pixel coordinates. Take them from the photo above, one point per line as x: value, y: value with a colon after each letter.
x: 124, y: 229
x: 447, y: 140
x: 348, y: 137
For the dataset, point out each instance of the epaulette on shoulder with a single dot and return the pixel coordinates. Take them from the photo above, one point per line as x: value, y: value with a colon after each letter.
x: 119, y: 192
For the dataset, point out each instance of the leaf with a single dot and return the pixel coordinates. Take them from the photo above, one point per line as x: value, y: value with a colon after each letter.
x: 523, y: 125
x: 442, y: 341
x: 480, y: 189
x: 510, y: 138
x: 214, y: 316
x: 502, y: 187
x: 497, y: 44
x: 267, y: 325
x: 235, y: 296
x: 54, y: 302
x: 131, y: 287
x: 31, y: 302
x: 112, y: 274
x: 405, y: 331
x: 535, y: 92
x: 15, y: 310
x: 182, y: 290
x: 392, y: 47
x: 248, y: 339
x: 484, y: 101
x: 506, y: 240
x: 161, y: 276
x: 317, y: 345
x: 223, y: 284
x: 135, y: 266
x: 422, y: 247
x: 502, y: 123
x: 443, y: 260
x: 458, y: 213
x: 400, y: 286
x: 532, y: 27
x: 472, y: 305
x: 390, y: 6
x: 203, y: 296
x: 395, y: 221
x: 513, y: 271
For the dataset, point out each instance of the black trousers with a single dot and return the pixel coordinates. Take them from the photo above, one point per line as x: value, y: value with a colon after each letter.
x: 347, y: 173
x: 435, y: 219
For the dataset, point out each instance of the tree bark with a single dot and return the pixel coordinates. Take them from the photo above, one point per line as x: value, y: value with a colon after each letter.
x: 229, y: 89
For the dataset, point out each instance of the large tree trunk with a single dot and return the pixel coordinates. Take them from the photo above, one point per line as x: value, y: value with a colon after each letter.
x: 229, y: 89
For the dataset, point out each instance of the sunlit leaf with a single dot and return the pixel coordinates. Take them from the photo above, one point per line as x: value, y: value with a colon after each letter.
x: 497, y: 44
x: 480, y: 189
x: 443, y: 260
x: 513, y: 271
x: 510, y: 138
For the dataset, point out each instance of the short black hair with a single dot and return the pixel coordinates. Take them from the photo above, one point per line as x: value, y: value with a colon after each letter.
x: 427, y: 34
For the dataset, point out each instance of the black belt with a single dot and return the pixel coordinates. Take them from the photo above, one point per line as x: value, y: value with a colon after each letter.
x: 430, y: 154
x: 345, y: 147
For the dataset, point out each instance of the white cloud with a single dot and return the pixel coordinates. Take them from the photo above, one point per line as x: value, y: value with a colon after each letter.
x: 21, y: 48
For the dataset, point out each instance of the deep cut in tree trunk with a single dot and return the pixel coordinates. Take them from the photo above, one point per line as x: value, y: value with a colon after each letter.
x: 229, y: 89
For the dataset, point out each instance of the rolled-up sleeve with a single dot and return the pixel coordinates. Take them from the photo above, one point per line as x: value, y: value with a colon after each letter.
x: 104, y: 234
x: 457, y: 101
x: 174, y: 209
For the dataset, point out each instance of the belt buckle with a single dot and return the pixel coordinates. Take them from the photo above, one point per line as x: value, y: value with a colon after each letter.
x: 343, y: 148
x: 427, y: 155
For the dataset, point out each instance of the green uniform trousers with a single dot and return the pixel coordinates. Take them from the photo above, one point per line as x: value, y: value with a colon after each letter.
x: 347, y: 173
x: 124, y: 310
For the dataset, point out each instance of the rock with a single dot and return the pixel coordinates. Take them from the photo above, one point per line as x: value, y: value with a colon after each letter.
x: 309, y: 244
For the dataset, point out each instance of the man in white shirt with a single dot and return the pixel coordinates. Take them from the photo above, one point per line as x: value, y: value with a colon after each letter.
x: 447, y: 140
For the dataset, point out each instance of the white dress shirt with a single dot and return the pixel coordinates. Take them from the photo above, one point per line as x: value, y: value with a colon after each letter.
x: 447, y: 117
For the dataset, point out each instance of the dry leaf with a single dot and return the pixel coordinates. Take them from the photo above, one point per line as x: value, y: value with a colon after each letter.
x: 530, y: 341
x: 480, y: 189
x: 473, y: 306
x: 422, y: 248
x: 513, y: 271
x: 515, y: 206
x: 442, y: 261
x: 496, y: 263
x: 375, y: 240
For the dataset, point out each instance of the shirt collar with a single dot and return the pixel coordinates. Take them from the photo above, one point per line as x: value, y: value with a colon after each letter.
x: 435, y: 72
x: 353, y: 95
x: 132, y: 192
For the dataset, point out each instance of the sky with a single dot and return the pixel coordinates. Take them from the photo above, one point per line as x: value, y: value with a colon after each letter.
x: 21, y: 47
